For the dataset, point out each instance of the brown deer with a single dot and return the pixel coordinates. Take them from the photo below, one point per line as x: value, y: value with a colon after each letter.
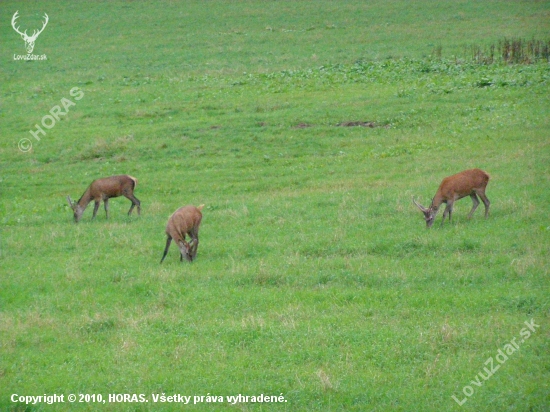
x: 184, y: 221
x: 467, y: 183
x: 104, y: 189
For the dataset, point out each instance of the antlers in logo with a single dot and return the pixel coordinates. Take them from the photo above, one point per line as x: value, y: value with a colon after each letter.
x: 29, y: 40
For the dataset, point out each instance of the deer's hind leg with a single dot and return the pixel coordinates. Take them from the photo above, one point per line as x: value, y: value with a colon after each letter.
x: 106, y: 205
x: 168, y: 241
x: 485, y: 200
x: 135, y: 202
x: 475, y: 200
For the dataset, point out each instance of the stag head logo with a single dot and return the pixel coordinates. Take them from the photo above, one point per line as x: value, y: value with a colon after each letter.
x: 29, y: 40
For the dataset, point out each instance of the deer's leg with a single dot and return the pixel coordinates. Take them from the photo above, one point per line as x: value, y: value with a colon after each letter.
x: 96, y: 206
x: 181, y: 251
x: 168, y: 241
x: 195, y: 247
x: 475, y: 200
x: 485, y: 201
x: 135, y: 202
x: 191, y: 249
x: 106, y: 204
x: 448, y: 210
x: 194, y: 234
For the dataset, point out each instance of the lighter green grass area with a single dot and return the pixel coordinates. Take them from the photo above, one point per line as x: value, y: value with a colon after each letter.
x: 315, y: 276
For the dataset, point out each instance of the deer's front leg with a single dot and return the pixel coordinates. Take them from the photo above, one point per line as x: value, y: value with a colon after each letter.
x: 96, y: 206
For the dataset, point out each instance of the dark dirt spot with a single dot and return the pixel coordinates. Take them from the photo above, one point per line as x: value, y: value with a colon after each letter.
x: 301, y: 126
x: 362, y: 124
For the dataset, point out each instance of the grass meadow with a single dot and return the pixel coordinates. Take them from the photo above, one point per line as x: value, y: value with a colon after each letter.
x: 305, y: 128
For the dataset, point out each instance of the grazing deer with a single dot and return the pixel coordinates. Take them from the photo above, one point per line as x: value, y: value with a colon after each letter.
x: 467, y: 183
x: 184, y: 221
x: 29, y: 40
x: 104, y: 189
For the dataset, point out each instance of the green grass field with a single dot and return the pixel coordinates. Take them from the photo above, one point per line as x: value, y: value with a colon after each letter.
x: 316, y: 279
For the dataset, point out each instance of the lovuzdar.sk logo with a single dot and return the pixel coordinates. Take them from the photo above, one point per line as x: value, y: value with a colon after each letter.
x: 29, y: 40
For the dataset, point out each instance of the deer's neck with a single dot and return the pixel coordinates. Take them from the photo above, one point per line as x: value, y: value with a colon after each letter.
x: 436, y: 202
x: 85, y: 199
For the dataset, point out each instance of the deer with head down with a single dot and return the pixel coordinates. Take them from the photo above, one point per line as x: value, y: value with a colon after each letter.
x: 104, y: 189
x: 184, y: 221
x: 467, y: 183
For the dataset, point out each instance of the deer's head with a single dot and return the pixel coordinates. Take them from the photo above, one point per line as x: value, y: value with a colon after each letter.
x: 29, y: 40
x: 429, y: 213
x: 77, y: 209
x: 185, y: 250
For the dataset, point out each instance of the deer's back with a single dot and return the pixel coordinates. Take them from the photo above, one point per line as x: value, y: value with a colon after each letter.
x: 182, y: 221
x: 113, y: 186
x: 463, y: 183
